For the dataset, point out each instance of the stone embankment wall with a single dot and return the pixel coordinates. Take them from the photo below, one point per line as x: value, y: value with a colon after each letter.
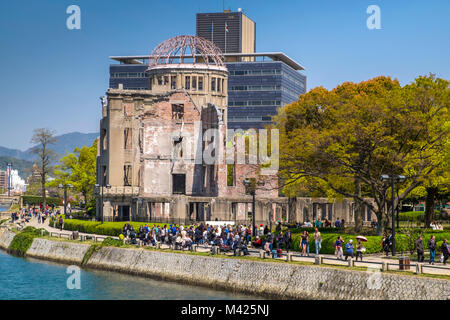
x: 61, y: 251
x: 6, y: 237
x: 276, y: 280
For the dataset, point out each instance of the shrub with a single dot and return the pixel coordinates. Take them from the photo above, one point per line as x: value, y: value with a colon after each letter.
x: 23, y: 240
x: 416, y: 216
x: 21, y: 243
x: 96, y: 227
x: 110, y: 242
x: 89, y: 252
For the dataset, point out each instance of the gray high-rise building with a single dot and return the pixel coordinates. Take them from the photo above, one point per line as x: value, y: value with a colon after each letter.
x: 232, y: 32
x: 259, y: 82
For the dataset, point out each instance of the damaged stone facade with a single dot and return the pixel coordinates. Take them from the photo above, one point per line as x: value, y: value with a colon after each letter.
x: 152, y: 152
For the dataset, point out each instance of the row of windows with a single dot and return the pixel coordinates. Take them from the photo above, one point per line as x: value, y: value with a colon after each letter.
x: 253, y: 72
x: 192, y: 83
x: 267, y: 72
x: 128, y: 75
x: 249, y: 119
x: 292, y: 93
x: 267, y: 103
x: 135, y: 88
x: 299, y: 83
x: 255, y: 88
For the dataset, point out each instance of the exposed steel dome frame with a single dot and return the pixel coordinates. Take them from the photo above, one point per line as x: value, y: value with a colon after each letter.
x: 175, y: 51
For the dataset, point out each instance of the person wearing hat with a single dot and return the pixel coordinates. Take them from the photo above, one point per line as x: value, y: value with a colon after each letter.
x: 261, y: 230
x: 349, y: 249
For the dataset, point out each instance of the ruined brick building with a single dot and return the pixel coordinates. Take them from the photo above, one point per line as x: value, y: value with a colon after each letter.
x: 153, y: 162
x: 152, y: 143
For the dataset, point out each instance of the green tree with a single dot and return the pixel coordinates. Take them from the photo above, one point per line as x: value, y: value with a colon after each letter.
x: 343, y: 140
x: 43, y: 138
x: 79, y: 169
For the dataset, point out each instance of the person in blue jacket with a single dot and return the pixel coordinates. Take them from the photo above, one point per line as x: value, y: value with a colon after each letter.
x: 349, y: 249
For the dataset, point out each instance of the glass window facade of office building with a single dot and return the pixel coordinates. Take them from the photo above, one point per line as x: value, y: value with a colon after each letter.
x: 255, y: 89
x: 132, y: 77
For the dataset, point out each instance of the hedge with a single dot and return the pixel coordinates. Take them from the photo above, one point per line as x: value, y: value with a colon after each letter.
x: 416, y: 216
x: 36, y: 200
x: 96, y: 227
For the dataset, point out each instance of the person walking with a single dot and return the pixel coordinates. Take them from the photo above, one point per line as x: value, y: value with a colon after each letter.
x: 287, y: 239
x: 390, y: 243
x: 420, y: 249
x: 445, y: 251
x: 317, y: 240
x: 385, y: 245
x: 304, y: 242
x: 338, y: 248
x: 359, y: 250
x: 349, y: 249
x: 432, y: 248
x: 61, y: 223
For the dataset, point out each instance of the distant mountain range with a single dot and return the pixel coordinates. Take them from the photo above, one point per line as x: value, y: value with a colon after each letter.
x: 65, y: 143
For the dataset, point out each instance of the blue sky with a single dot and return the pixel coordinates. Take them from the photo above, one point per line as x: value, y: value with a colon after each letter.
x: 53, y: 77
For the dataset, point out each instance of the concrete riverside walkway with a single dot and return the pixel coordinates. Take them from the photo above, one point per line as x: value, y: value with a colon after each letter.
x: 373, y: 261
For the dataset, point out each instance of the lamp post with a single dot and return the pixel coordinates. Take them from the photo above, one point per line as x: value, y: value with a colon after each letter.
x: 250, y: 186
x: 108, y: 186
x: 393, y: 179
x: 251, y: 189
x: 65, y: 186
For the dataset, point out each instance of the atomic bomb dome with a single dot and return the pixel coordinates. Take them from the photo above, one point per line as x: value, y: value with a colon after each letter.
x: 186, y: 50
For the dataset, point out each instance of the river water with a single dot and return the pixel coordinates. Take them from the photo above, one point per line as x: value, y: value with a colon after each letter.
x: 31, y: 279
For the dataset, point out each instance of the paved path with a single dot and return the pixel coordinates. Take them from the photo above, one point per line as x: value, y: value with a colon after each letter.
x: 369, y: 261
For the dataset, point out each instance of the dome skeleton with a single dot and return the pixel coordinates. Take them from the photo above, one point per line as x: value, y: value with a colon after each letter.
x: 175, y: 48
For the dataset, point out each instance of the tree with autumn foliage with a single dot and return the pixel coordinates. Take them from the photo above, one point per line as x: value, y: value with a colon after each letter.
x: 341, y: 141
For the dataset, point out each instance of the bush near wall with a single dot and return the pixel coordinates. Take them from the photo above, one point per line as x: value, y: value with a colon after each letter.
x: 23, y: 240
x: 36, y: 200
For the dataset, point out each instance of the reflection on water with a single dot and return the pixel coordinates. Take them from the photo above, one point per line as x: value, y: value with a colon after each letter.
x: 34, y: 279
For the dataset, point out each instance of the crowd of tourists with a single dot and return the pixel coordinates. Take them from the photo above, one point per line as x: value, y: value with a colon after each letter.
x: 324, y: 223
x: 420, y: 248
x: 40, y: 213
x: 226, y: 238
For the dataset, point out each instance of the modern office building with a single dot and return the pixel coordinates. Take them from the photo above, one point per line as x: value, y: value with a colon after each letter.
x: 258, y: 83
x: 232, y: 32
x: 256, y: 89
